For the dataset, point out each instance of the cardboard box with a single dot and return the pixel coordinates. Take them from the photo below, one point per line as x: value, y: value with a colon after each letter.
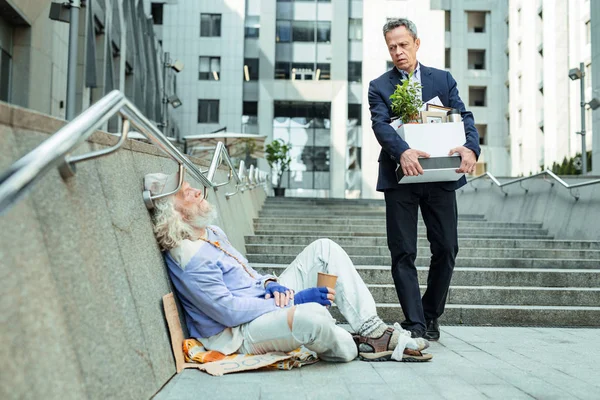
x: 437, y: 140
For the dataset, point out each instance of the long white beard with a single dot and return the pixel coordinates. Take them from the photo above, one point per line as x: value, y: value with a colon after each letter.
x: 202, y: 220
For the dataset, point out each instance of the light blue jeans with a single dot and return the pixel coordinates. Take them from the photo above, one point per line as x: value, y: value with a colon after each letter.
x: 313, y: 326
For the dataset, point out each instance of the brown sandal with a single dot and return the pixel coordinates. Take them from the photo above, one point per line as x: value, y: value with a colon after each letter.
x: 381, y: 352
x: 378, y: 345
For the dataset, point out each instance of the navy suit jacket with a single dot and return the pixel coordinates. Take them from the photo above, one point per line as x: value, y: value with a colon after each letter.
x: 435, y: 82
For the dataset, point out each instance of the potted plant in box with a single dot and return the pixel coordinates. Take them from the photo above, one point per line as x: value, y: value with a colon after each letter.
x: 278, y: 157
x: 406, y: 101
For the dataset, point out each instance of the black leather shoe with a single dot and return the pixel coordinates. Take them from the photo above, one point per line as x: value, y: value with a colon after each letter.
x: 433, y: 330
x: 417, y: 334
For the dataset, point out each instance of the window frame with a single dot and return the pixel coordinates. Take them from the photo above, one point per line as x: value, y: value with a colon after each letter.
x: 212, y: 25
x: 209, y: 73
x: 210, y: 103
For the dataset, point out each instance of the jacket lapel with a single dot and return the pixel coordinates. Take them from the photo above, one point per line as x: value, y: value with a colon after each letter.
x: 426, y: 83
x: 395, y: 78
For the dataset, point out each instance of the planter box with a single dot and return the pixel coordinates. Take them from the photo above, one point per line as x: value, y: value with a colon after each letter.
x: 437, y: 140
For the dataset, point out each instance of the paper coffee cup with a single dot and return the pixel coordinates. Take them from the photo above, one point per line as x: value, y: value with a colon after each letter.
x: 326, y: 280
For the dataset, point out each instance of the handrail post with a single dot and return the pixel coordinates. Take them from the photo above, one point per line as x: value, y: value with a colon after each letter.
x: 74, y: 5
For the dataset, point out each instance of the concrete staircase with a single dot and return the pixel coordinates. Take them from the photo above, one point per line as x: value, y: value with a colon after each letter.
x: 506, y: 273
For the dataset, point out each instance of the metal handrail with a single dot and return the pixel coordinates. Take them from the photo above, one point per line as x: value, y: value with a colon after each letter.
x: 520, y: 181
x: 55, y: 151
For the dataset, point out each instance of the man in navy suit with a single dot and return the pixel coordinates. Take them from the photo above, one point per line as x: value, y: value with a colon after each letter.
x: 437, y: 199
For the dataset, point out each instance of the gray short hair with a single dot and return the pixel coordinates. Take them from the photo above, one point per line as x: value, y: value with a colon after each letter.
x: 398, y: 22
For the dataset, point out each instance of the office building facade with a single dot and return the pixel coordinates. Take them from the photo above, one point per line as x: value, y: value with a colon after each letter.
x: 299, y: 71
x: 546, y: 40
x: 117, y: 49
x: 475, y: 35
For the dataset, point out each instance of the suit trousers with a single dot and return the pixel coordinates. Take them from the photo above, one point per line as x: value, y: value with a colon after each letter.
x: 440, y: 215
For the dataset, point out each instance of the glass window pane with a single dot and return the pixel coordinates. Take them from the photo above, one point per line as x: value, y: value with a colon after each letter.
x: 250, y: 108
x: 214, y: 111
x: 215, y: 64
x: 355, y: 29
x: 251, y: 32
x: 210, y: 25
x: 282, y: 70
x: 283, y: 31
x: 323, y: 72
x: 216, y: 25
x: 303, y: 31
x: 5, y: 69
x: 321, y: 180
x: 250, y: 69
x: 354, y: 71
x: 324, y: 31
x: 208, y: 111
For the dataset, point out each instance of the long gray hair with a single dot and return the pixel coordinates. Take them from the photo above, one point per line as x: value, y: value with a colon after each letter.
x: 171, y: 226
x: 398, y: 22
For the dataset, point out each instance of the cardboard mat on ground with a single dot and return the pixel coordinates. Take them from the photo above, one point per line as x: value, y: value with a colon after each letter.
x: 189, y: 353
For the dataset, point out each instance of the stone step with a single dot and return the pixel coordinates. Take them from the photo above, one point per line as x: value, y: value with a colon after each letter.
x: 291, y: 212
x: 468, y: 314
x: 467, y: 262
x: 515, y: 277
x: 503, y: 295
x: 463, y: 252
x: 314, y: 200
x: 422, y: 242
x: 321, y: 234
x: 333, y: 229
x: 381, y: 222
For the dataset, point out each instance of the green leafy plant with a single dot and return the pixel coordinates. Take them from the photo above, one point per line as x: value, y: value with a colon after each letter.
x: 406, y: 100
x: 278, y: 157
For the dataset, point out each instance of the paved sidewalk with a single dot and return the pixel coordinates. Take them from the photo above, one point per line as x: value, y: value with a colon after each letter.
x: 468, y: 363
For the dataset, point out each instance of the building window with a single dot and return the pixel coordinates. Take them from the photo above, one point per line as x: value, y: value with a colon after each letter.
x: 157, y: 13
x: 355, y: 29
x: 482, y: 129
x: 303, y: 31
x: 252, y: 27
x: 250, y: 108
x: 519, y: 51
x: 282, y: 70
x: 477, y: 96
x: 588, y: 32
x: 250, y: 117
x: 355, y: 113
x: 447, y: 59
x: 250, y: 69
x: 5, y: 70
x: 588, y: 76
x: 324, y: 31
x: 210, y: 25
x: 354, y: 71
x: 208, y: 111
x: 323, y: 72
x: 447, y: 20
x: 476, y: 59
x: 283, y: 32
x: 303, y: 71
x: 209, y: 68
x: 476, y: 21
x: 519, y: 84
x: 520, y: 120
x: 306, y: 126
x: 251, y: 33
